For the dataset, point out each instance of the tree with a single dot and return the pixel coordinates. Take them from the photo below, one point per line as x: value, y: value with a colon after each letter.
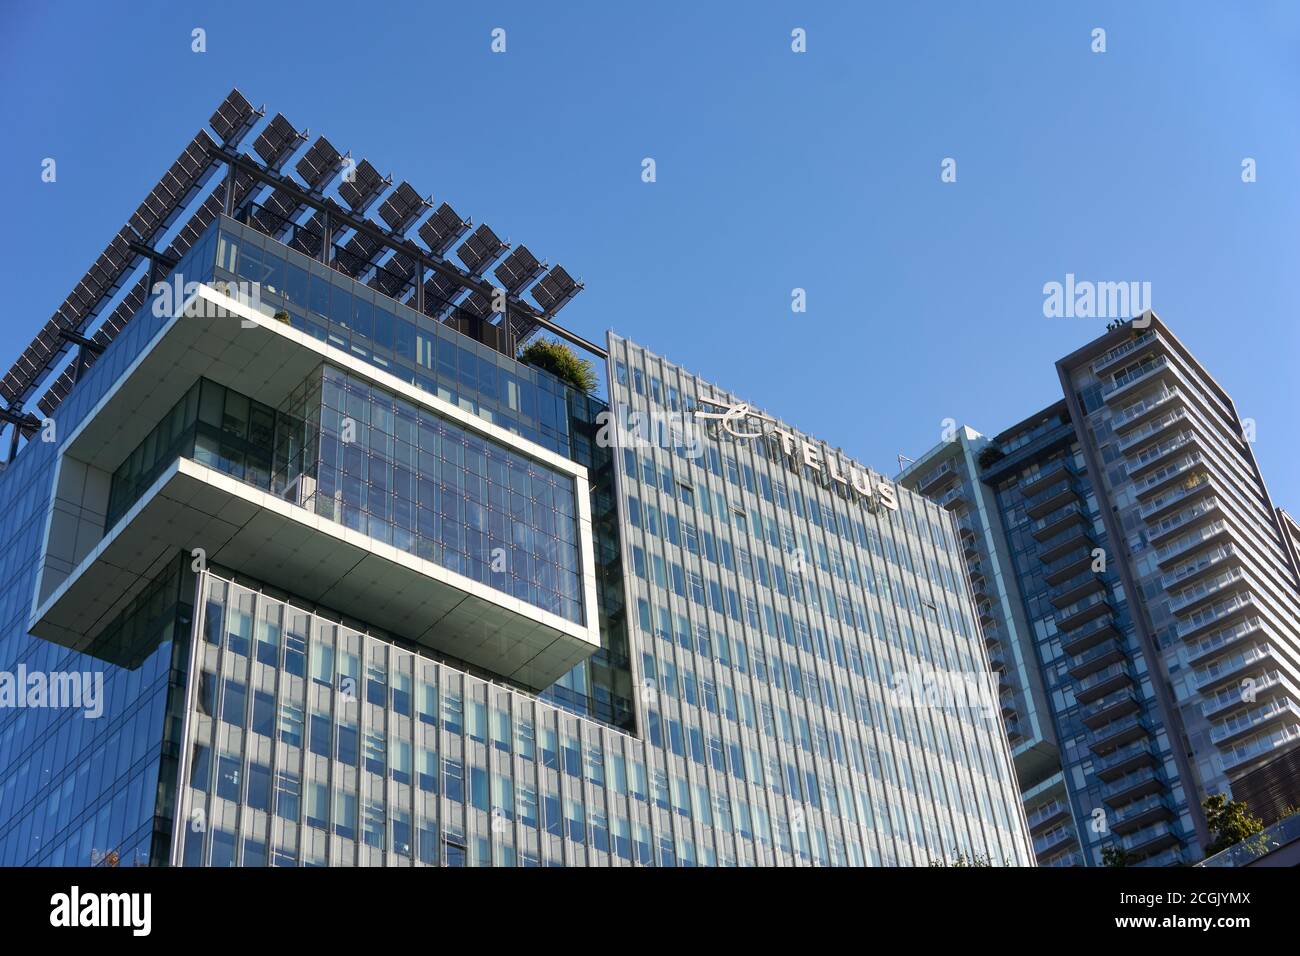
x: 990, y: 454
x: 558, y: 359
x: 1230, y: 821
x: 1113, y: 855
x: 961, y: 859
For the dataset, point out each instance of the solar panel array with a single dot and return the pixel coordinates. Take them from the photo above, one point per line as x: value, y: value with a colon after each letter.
x: 276, y: 203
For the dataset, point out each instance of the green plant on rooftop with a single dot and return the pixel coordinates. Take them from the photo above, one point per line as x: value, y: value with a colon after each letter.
x: 560, y: 360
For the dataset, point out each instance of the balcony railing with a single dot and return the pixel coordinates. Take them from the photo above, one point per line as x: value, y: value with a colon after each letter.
x: 1216, y: 641
x: 1204, y: 562
x: 1144, y: 407
x: 1144, y: 432
x: 1120, y: 351
x: 1228, y: 667
x: 1266, y: 682
x: 1162, y: 450
x: 1251, y: 719
x: 1193, y: 485
x: 1235, y: 604
x: 1203, y: 589
x: 1259, y: 746
x: 1169, y: 472
x: 1184, y: 543
x: 1143, y: 371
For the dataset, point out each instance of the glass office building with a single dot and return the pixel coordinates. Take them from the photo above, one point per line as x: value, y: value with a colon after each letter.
x: 1157, y: 584
x: 358, y: 587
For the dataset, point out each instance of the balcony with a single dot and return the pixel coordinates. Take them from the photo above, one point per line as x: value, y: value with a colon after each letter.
x: 1133, y: 347
x: 1198, y: 515
x: 1157, y: 369
x: 1054, y: 496
x: 1151, y: 429
x: 986, y: 613
x: 1055, y: 522
x: 1224, y: 639
x: 1108, y: 708
x: 1075, y: 588
x: 1255, y: 719
x: 952, y: 498
x: 1068, y: 565
x: 1095, y: 658
x: 1173, y: 856
x: 1255, y: 749
x: 1163, y: 478
x: 1229, y: 609
x: 1080, y: 612
x: 1206, y: 563
x: 1140, y: 813
x: 969, y: 542
x: 1147, y: 460
x: 1054, y: 470
x: 1150, y: 839
x: 1268, y: 685
x: 1232, y: 667
x: 1043, y: 816
x: 1074, y: 535
x: 1129, y: 787
x: 1105, y: 681
x: 1089, y: 635
x: 938, y: 478
x: 1053, y: 840
x: 1196, y: 485
x: 1143, y: 410
x: 1193, y: 540
x: 1107, y: 737
x: 1207, y: 589
x: 1125, y: 760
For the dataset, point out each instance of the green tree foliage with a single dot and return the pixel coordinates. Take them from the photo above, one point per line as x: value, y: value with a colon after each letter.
x: 560, y: 360
x: 1230, y: 821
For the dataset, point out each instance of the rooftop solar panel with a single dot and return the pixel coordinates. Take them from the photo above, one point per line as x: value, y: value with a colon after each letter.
x: 518, y: 269
x: 277, y: 141
x: 319, y: 164
x: 401, y: 207
x: 480, y: 249
x: 233, y: 119
x: 364, y: 188
x: 554, y: 289
x: 441, y: 230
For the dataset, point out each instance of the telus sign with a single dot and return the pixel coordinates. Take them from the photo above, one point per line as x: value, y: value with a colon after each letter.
x: 743, y: 423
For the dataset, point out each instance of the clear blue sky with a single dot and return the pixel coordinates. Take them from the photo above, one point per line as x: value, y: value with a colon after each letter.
x: 775, y: 171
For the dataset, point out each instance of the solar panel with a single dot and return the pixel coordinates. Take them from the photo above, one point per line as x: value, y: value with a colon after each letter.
x: 401, y: 207
x: 554, y: 289
x: 393, y: 276
x: 441, y: 230
x: 518, y: 269
x: 365, y: 187
x: 439, y: 293
x: 476, y: 304
x: 319, y: 164
x: 480, y: 249
x: 234, y: 118
x: 276, y: 212
x: 355, y: 257
x: 182, y: 181
x: 277, y: 141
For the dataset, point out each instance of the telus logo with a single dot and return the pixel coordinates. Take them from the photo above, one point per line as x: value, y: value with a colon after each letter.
x: 102, y: 909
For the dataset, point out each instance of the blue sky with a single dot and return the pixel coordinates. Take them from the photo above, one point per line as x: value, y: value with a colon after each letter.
x: 774, y: 171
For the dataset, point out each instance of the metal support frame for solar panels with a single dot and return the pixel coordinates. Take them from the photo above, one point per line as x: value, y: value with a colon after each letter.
x: 330, y: 212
